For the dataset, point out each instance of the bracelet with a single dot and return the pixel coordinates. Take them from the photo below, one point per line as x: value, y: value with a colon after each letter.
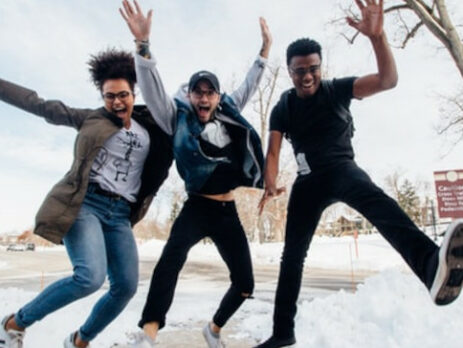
x: 142, y: 42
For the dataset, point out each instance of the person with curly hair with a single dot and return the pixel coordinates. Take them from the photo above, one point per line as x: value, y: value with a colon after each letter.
x: 121, y: 157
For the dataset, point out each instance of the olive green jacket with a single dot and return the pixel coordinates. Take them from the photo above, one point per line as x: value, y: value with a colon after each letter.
x: 62, y: 204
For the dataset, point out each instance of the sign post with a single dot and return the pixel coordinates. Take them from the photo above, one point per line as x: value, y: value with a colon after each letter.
x: 449, y: 192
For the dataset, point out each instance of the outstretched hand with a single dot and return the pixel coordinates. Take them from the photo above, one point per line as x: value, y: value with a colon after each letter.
x: 268, y: 195
x: 371, y: 23
x: 139, y: 24
x: 266, y: 37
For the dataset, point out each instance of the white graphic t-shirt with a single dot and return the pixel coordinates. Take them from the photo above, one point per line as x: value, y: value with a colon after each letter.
x: 119, y: 164
x: 215, y: 133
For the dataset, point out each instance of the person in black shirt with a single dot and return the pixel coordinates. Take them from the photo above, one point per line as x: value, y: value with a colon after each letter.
x: 320, y: 126
x: 315, y: 117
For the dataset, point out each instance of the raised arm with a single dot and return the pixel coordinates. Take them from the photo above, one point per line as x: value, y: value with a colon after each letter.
x: 271, y: 169
x: 53, y: 111
x: 249, y: 86
x: 371, y: 25
x: 161, y: 106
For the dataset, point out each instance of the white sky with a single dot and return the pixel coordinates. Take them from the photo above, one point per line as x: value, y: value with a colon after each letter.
x: 390, y: 310
x: 46, y: 44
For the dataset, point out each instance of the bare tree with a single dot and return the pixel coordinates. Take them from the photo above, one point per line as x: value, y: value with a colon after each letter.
x: 413, y: 197
x: 393, y: 183
x: 150, y: 228
x: 270, y: 225
x: 272, y: 222
x: 264, y: 99
x: 451, y: 116
x: 434, y: 17
x: 411, y: 16
x: 247, y: 200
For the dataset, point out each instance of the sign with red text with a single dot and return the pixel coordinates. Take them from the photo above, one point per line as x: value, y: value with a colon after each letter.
x: 449, y: 191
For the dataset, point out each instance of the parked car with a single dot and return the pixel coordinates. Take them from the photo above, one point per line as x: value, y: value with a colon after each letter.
x: 16, y: 247
x: 30, y: 246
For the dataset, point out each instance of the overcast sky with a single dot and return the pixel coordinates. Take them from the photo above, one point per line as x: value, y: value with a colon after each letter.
x: 46, y: 44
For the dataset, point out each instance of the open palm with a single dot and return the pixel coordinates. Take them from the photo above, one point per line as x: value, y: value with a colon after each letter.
x: 139, y: 24
x: 371, y: 23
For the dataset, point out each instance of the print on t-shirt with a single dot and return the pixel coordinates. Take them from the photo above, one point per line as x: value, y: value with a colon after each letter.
x: 101, y: 159
x: 120, y: 161
x: 130, y: 142
x: 303, y: 167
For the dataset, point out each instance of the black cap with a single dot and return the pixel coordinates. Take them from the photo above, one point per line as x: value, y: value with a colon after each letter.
x: 204, y: 75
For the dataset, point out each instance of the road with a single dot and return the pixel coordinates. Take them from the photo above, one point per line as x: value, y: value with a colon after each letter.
x: 32, y: 271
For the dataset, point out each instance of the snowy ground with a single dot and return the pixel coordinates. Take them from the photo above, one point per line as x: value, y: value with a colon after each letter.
x: 391, y: 309
x: 331, y: 253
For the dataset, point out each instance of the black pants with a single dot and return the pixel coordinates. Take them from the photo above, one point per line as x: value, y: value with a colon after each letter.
x: 347, y: 183
x: 201, y: 217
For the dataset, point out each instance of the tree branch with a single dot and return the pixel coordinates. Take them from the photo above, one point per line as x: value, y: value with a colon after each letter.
x: 422, y: 11
x: 275, y: 72
x: 411, y: 34
x: 449, y: 125
x: 455, y: 46
x: 397, y: 8
x: 426, y: 6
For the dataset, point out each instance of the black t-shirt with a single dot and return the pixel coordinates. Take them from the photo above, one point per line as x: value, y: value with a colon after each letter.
x: 320, y: 127
x: 226, y: 175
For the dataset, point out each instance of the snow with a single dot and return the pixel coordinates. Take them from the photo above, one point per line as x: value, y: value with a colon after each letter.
x: 374, y: 253
x: 390, y: 309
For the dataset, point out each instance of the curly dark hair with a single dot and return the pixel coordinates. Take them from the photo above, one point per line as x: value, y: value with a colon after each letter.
x: 112, y: 64
x: 302, y: 47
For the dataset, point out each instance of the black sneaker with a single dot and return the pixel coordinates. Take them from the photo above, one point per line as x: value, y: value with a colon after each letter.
x: 449, y: 275
x: 276, y: 342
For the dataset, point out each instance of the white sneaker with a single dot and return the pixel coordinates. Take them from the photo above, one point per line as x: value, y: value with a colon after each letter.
x: 138, y: 340
x: 69, y: 341
x: 10, y: 338
x: 213, y: 339
x: 449, y: 275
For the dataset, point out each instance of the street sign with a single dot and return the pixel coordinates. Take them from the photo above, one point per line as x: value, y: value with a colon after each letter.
x: 449, y: 192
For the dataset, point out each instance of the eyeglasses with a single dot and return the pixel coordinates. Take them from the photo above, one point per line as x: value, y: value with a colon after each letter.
x: 112, y: 96
x: 301, y: 72
x: 198, y: 93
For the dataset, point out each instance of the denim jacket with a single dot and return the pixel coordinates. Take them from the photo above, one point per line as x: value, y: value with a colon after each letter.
x: 194, y: 166
x: 177, y: 118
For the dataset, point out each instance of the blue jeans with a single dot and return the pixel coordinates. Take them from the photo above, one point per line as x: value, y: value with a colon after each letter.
x: 100, y: 241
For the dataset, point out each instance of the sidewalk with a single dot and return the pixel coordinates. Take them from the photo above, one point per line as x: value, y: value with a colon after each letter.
x: 192, y: 337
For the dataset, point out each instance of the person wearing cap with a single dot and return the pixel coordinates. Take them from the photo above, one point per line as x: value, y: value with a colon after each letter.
x: 216, y: 150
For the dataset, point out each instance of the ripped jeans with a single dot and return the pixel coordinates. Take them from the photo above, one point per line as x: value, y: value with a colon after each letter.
x: 202, y: 217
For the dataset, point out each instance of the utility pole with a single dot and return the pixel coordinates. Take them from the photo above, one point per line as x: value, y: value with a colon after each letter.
x: 433, y: 216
